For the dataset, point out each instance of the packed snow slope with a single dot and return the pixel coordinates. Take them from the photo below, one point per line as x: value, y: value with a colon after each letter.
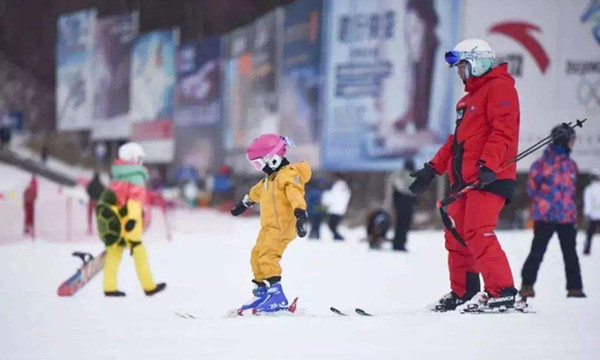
x: 207, y: 270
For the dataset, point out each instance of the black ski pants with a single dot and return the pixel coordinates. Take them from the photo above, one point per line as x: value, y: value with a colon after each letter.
x: 542, y: 233
x: 593, y: 224
x: 334, y: 222
x: 403, y: 206
x: 315, y: 220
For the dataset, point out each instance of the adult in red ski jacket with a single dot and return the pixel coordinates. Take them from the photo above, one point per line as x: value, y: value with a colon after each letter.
x: 485, y: 138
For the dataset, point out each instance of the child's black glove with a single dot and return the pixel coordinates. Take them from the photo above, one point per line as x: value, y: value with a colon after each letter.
x: 301, y: 222
x: 241, y: 206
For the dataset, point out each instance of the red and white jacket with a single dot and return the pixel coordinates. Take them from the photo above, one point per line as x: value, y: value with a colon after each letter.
x: 487, y: 132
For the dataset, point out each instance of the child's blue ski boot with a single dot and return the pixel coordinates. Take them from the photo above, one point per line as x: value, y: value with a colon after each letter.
x: 259, y: 295
x: 275, y: 302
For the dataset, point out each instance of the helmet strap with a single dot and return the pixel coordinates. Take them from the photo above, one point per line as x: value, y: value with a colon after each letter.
x: 268, y: 169
x: 467, y: 72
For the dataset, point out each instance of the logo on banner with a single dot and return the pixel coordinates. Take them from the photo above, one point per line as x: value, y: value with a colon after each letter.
x: 588, y: 93
x: 592, y: 14
x: 521, y: 33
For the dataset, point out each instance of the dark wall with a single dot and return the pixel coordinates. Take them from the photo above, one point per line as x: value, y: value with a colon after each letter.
x: 28, y: 27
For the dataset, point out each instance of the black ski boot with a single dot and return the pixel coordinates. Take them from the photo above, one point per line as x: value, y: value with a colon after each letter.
x: 506, y: 298
x: 116, y: 293
x: 484, y: 302
x: 448, y: 302
x: 159, y: 287
x: 451, y: 301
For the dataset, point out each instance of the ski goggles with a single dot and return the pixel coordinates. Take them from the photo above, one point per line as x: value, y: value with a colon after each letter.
x: 454, y: 57
x: 259, y: 163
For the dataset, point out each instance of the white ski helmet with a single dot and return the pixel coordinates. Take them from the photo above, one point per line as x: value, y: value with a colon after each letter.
x: 477, y: 53
x: 132, y: 152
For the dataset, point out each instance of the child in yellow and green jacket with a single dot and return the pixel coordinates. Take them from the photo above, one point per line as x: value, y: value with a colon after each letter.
x: 120, y: 219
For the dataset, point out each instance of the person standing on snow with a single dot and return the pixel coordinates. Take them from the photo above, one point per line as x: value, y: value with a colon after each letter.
x: 551, y: 185
x: 315, y: 209
x: 403, y: 200
x: 486, y: 137
x: 29, y: 198
x: 591, y: 209
x: 121, y: 218
x: 282, y: 217
x: 336, y: 201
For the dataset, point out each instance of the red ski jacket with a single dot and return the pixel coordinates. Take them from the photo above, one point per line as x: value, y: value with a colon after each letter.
x: 487, y: 131
x: 30, y: 194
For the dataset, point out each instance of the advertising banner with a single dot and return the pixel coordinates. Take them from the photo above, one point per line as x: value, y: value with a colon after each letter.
x: 263, y: 115
x: 152, y: 93
x: 301, y: 77
x: 388, y: 94
x: 556, y: 68
x: 74, y: 88
x: 112, y: 63
x: 238, y: 86
x: 198, y: 120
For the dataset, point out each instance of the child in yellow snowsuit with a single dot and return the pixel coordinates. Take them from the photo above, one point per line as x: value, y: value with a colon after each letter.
x: 282, y: 218
x: 120, y: 220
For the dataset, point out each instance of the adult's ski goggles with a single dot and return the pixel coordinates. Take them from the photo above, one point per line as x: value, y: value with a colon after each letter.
x: 454, y: 57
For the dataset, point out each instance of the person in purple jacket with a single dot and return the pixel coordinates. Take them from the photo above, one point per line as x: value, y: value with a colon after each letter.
x: 551, y: 187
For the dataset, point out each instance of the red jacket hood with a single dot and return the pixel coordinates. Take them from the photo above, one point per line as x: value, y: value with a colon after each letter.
x: 500, y: 72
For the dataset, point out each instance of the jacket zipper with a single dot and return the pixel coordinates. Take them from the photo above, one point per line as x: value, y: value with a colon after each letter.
x: 457, y: 172
x: 275, y: 207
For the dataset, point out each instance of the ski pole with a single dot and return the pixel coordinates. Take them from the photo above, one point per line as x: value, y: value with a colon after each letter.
x: 449, y: 223
x: 453, y: 197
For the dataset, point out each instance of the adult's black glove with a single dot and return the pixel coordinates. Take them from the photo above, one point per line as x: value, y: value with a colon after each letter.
x: 486, y: 175
x: 301, y: 222
x: 424, y: 176
x: 241, y: 206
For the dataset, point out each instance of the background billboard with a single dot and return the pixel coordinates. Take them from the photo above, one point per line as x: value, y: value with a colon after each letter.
x: 388, y: 92
x: 112, y: 64
x: 74, y: 87
x: 556, y: 68
x: 152, y: 93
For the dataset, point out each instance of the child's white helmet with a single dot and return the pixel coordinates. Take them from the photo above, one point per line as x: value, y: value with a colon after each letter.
x: 132, y: 152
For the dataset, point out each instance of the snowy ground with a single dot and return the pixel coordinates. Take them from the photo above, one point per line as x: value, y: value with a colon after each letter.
x: 207, y: 270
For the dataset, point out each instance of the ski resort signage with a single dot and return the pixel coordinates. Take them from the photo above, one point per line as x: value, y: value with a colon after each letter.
x: 556, y: 68
x: 74, y: 88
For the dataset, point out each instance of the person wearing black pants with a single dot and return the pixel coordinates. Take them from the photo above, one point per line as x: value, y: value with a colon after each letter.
x: 542, y: 234
x: 591, y: 209
x: 336, y: 201
x: 404, y: 207
x: 333, y: 222
x: 589, y: 234
x: 314, y: 207
x: 551, y: 184
x: 403, y: 201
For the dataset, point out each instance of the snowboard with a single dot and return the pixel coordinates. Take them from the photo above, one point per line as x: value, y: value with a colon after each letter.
x: 91, y: 266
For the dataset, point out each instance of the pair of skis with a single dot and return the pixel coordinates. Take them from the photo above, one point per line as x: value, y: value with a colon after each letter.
x: 358, y: 311
x: 293, y: 311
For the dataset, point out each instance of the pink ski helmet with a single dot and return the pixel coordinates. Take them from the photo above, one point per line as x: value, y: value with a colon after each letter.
x: 267, y: 149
